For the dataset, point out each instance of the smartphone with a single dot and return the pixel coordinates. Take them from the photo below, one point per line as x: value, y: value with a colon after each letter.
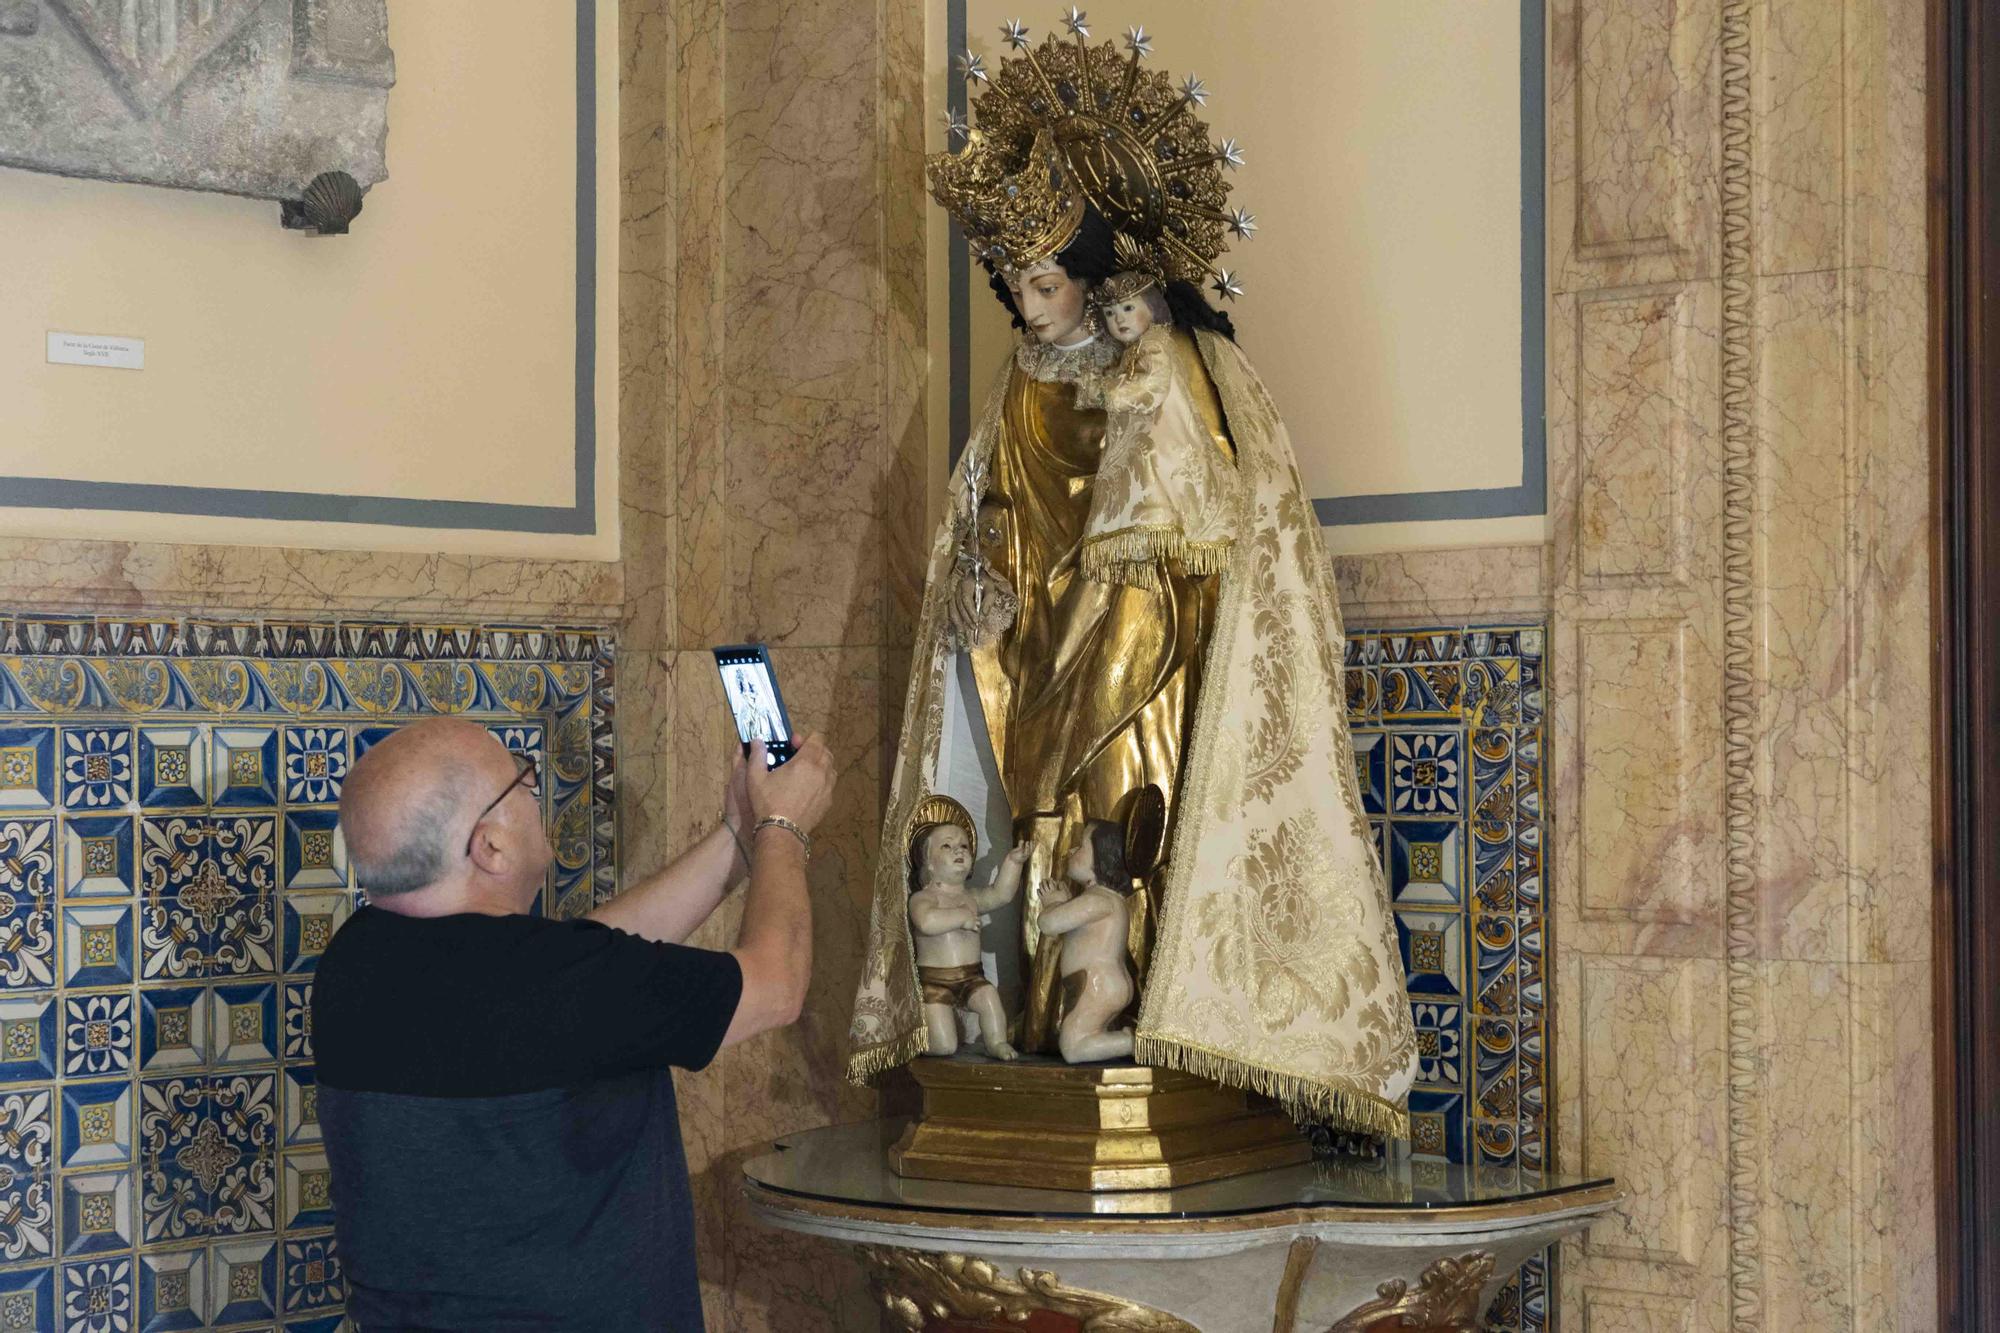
x: 751, y: 687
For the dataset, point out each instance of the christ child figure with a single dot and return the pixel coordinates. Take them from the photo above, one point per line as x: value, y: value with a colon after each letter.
x: 1093, y: 926
x: 1163, y: 481
x: 945, y: 917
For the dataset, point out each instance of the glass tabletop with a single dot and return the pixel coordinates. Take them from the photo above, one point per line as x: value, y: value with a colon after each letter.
x: 849, y: 1164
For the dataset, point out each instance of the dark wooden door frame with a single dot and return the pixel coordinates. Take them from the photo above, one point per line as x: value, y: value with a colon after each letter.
x: 1965, y: 322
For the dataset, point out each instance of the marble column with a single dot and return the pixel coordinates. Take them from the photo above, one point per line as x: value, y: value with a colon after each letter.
x: 1739, y: 464
x: 772, y: 299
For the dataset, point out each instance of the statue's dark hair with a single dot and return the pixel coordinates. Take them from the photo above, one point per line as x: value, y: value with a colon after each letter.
x: 1107, y: 854
x: 1090, y: 258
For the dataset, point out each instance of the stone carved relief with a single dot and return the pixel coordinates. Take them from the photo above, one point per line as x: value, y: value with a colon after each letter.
x: 919, y: 1288
x: 252, y: 97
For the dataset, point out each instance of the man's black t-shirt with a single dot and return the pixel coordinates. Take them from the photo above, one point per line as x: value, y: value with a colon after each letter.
x: 500, y: 1120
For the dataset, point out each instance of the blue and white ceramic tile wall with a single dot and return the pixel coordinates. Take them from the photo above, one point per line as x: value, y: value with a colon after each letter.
x: 170, y: 872
x: 1449, y: 738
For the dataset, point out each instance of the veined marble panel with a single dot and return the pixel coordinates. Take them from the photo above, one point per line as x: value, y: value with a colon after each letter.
x: 1445, y: 586
x: 1646, y: 762
x: 1804, y: 608
x: 1632, y: 150
x: 1802, y: 625
x: 81, y: 574
x: 1608, y: 1310
x: 1649, y: 1080
x: 1634, y: 512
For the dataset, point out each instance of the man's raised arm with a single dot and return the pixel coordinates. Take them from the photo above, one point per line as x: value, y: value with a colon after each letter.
x: 774, y: 946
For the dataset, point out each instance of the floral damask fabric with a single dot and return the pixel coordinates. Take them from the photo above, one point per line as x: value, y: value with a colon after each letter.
x: 1277, y: 967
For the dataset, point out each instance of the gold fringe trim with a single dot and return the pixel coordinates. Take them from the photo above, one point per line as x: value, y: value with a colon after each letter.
x: 871, y: 1062
x: 1303, y: 1097
x: 1133, y: 555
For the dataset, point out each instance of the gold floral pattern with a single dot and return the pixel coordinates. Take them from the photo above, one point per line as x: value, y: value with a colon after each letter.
x: 1299, y: 948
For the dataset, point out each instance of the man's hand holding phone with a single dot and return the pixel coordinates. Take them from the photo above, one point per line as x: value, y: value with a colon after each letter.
x: 797, y: 792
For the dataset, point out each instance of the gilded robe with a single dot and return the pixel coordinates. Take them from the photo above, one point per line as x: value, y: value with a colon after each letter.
x: 1275, y: 965
x: 1087, y: 696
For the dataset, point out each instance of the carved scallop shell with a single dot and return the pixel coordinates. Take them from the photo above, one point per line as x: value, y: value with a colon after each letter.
x: 328, y: 204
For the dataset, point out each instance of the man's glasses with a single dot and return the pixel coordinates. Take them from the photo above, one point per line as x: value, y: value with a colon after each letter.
x: 530, y: 774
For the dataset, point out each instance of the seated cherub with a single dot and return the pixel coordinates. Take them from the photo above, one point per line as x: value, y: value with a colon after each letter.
x: 945, y: 918
x: 1162, y: 488
x: 1093, y: 926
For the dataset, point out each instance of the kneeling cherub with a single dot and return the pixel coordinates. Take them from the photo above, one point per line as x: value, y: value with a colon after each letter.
x: 1093, y: 926
x: 944, y: 922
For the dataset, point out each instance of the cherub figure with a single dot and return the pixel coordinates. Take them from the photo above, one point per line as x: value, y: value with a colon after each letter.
x: 945, y: 918
x: 1093, y: 926
x: 1163, y: 481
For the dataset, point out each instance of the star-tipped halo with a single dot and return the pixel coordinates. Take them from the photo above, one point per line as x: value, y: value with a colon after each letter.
x: 1167, y: 186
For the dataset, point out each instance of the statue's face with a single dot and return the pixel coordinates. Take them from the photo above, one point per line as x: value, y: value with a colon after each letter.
x: 1128, y: 319
x: 1051, y: 302
x: 1081, y: 866
x: 947, y: 855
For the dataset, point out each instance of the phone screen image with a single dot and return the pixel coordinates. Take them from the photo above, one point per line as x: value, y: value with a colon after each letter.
x: 751, y: 688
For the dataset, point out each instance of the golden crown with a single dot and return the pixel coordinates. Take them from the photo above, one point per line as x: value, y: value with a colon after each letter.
x: 935, y: 810
x: 1130, y: 141
x: 1016, y: 210
x: 1132, y: 276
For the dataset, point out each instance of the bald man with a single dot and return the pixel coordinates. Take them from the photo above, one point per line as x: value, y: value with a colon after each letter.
x: 494, y: 1087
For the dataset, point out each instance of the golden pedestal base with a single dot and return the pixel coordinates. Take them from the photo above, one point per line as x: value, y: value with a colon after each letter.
x: 1048, y: 1125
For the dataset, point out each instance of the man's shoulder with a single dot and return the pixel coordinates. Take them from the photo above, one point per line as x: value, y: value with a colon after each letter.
x: 376, y: 936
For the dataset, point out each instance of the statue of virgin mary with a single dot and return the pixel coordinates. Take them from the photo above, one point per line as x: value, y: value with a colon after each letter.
x: 1202, y: 680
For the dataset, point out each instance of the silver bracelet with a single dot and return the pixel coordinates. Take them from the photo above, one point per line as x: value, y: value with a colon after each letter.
x: 779, y: 821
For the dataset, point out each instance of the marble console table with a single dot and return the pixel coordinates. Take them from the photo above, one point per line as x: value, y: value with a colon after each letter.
x: 1327, y: 1247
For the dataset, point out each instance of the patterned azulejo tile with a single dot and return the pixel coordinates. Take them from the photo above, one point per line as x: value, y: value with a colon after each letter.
x: 27, y: 1300
x: 171, y: 869
x: 1448, y: 736
x: 27, y: 1152
x: 208, y: 1148
x: 28, y: 768
x: 27, y: 882
x: 97, y: 1124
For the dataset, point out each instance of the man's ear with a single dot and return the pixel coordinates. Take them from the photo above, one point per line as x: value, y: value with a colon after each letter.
x: 487, y: 854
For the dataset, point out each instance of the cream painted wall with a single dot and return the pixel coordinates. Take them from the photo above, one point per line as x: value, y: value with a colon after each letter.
x: 429, y: 354
x: 1383, y: 298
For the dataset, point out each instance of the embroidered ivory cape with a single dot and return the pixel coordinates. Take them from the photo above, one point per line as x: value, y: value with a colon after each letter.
x: 1276, y: 967
x: 1162, y: 487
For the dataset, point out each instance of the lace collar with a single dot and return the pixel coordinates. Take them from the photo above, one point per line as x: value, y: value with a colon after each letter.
x: 1049, y: 363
